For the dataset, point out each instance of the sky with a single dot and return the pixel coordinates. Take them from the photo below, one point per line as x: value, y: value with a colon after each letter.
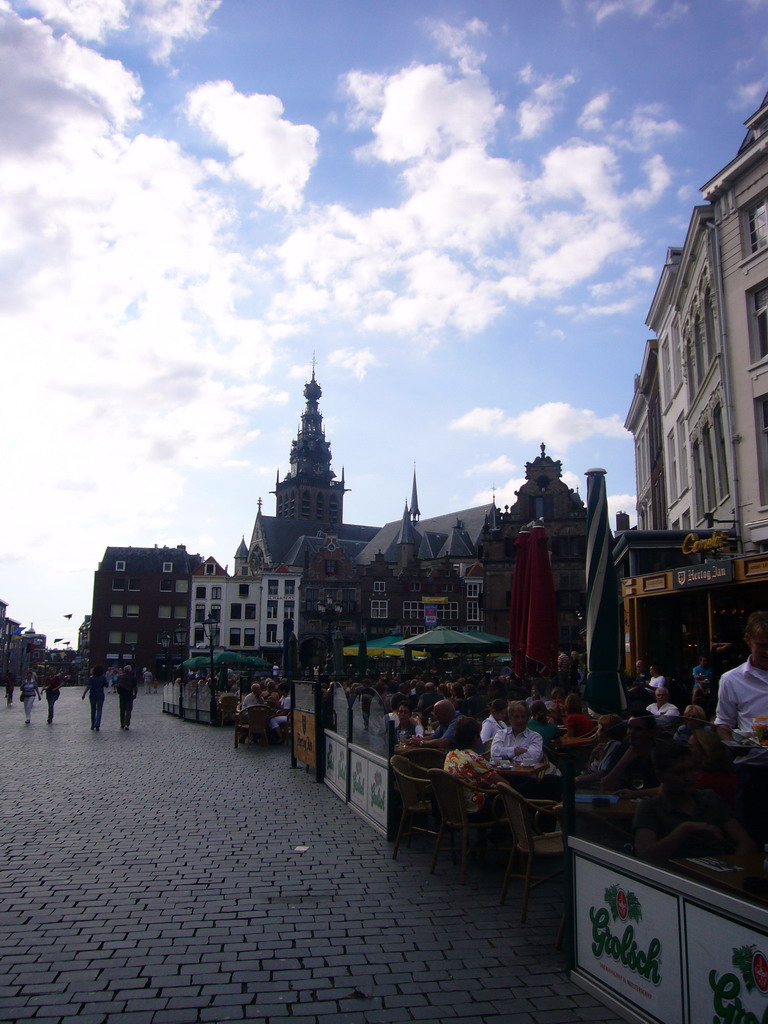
x: 459, y: 209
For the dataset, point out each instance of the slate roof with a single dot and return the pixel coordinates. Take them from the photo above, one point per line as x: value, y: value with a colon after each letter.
x: 438, y: 537
x: 282, y: 539
x: 141, y: 560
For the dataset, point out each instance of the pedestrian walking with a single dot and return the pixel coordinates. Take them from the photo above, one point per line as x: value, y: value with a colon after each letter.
x: 29, y: 693
x: 52, y: 686
x: 110, y: 674
x: 95, y: 688
x: 9, y: 681
x: 147, y: 679
x: 127, y: 688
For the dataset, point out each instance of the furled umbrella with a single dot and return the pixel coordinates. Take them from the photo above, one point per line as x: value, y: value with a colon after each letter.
x: 293, y: 657
x: 361, y: 664
x: 518, y: 603
x: 603, y: 692
x: 287, y: 634
x: 541, y: 631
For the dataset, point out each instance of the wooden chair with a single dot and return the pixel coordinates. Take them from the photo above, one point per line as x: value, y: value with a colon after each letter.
x: 455, y: 816
x: 227, y: 705
x: 528, y: 843
x: 252, y: 722
x: 415, y: 790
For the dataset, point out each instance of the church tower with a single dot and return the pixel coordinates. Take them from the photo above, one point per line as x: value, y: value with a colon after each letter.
x: 309, y: 490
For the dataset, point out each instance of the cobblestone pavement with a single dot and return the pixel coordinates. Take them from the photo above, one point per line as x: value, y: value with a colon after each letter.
x: 154, y: 876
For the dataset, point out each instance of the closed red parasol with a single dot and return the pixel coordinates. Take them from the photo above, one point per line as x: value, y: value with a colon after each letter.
x: 533, y: 609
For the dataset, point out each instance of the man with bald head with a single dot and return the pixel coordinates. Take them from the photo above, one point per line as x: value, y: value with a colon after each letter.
x: 442, y: 738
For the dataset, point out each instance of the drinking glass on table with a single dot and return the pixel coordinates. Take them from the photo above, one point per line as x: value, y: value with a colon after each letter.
x: 637, y: 781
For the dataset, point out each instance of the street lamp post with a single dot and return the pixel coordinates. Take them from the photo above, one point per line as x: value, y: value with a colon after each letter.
x: 331, y: 611
x: 212, y: 627
x: 180, y: 638
x: 165, y: 643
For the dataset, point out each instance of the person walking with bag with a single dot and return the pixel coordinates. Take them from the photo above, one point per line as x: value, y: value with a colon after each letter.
x: 52, y: 686
x: 95, y: 688
x: 29, y: 693
x: 127, y: 688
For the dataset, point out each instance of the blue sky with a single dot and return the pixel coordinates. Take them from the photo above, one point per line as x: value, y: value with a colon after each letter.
x: 460, y: 209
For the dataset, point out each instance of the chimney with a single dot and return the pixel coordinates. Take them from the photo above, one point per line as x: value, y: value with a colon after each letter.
x: 622, y: 521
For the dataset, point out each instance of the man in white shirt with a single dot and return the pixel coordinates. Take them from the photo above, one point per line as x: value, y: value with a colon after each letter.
x: 254, y: 697
x: 661, y: 708
x: 516, y: 739
x: 743, y: 694
x: 496, y: 721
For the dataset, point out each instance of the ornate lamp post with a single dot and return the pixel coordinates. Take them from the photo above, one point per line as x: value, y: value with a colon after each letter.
x: 212, y: 628
x: 331, y: 610
x: 180, y: 639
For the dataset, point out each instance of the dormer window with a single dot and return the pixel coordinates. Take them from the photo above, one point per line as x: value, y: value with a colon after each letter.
x: 167, y: 566
x: 119, y: 566
x: 210, y: 569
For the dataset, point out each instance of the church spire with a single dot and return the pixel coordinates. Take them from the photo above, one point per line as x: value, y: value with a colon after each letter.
x: 415, y: 511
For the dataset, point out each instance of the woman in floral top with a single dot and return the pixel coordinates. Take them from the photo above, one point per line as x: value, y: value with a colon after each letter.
x: 471, y: 767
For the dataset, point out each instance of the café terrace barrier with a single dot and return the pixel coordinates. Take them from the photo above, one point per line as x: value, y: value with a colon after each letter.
x: 195, y: 704
x: 347, y: 748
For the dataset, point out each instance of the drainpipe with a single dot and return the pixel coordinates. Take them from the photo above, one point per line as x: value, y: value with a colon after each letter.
x: 714, y: 240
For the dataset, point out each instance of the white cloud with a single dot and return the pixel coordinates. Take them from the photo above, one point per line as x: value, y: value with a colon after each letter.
x: 455, y: 41
x: 536, y: 113
x: 500, y: 465
x: 558, y: 424
x: 355, y: 361
x: 647, y: 127
x: 270, y: 154
x: 90, y: 20
x: 168, y: 22
x: 602, y: 9
x: 591, y: 117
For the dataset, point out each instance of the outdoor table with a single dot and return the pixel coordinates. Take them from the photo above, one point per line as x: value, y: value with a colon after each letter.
x: 727, y: 872
x: 568, y: 743
x: 607, y: 806
x: 515, y: 770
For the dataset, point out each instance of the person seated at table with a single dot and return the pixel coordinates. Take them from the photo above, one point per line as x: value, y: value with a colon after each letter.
x: 472, y: 768
x: 556, y: 706
x: 539, y: 722
x: 693, y: 719
x: 276, y: 724
x: 656, y: 678
x: 633, y: 773
x: 474, y: 704
x: 536, y: 694
x: 661, y: 706
x: 407, y: 725
x: 495, y: 722
x: 610, y: 746
x: 576, y: 722
x: 447, y: 718
x: 254, y: 697
x: 683, y: 821
x: 714, y: 765
x: 516, y: 740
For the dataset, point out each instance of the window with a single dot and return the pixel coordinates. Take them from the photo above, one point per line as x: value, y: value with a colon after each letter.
x: 672, y: 464
x: 164, y: 611
x: 182, y: 586
x: 200, y: 613
x: 271, y: 634
x: 167, y: 566
x: 131, y: 638
x: 271, y: 609
x: 289, y: 588
x: 180, y: 611
x: 250, y: 611
x: 697, y: 468
x: 413, y: 610
x: 665, y: 371
x: 720, y: 457
x: 249, y: 637
x: 709, y: 326
x: 115, y: 637
x: 132, y: 611
x: 379, y: 609
x: 447, y: 588
x: 349, y: 602
x: 210, y: 569
x: 415, y: 588
x: 116, y: 611
x: 473, y: 611
x: 758, y: 227
x: 235, y: 611
x: 709, y: 469
x: 312, y: 596
x: 473, y: 590
x: 234, y: 638
x: 216, y: 612
x: 759, y: 301
x: 449, y: 610
x: 330, y: 567
x: 119, y: 566
x: 215, y: 593
x: 133, y: 584
x: 682, y: 449
x: 166, y: 585
x: 200, y: 593
x: 243, y: 589
x: 288, y: 609
x: 118, y: 584
x: 677, y: 356
x: 244, y: 571
x: 379, y: 586
x: 199, y: 636
x: 273, y: 587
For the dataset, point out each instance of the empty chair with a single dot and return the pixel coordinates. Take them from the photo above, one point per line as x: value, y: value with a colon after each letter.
x: 415, y: 790
x: 528, y: 843
x: 455, y: 816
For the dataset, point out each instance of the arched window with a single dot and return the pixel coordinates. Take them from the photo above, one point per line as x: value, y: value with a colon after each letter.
x: 709, y: 326
x: 305, y: 505
x: 698, y: 348
x: 319, y: 507
x: 333, y: 509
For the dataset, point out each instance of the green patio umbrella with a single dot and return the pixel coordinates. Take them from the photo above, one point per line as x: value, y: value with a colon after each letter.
x: 603, y: 692
x: 199, y: 661
x: 443, y: 641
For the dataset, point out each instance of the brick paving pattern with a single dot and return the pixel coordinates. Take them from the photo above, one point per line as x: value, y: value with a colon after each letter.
x: 152, y: 877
